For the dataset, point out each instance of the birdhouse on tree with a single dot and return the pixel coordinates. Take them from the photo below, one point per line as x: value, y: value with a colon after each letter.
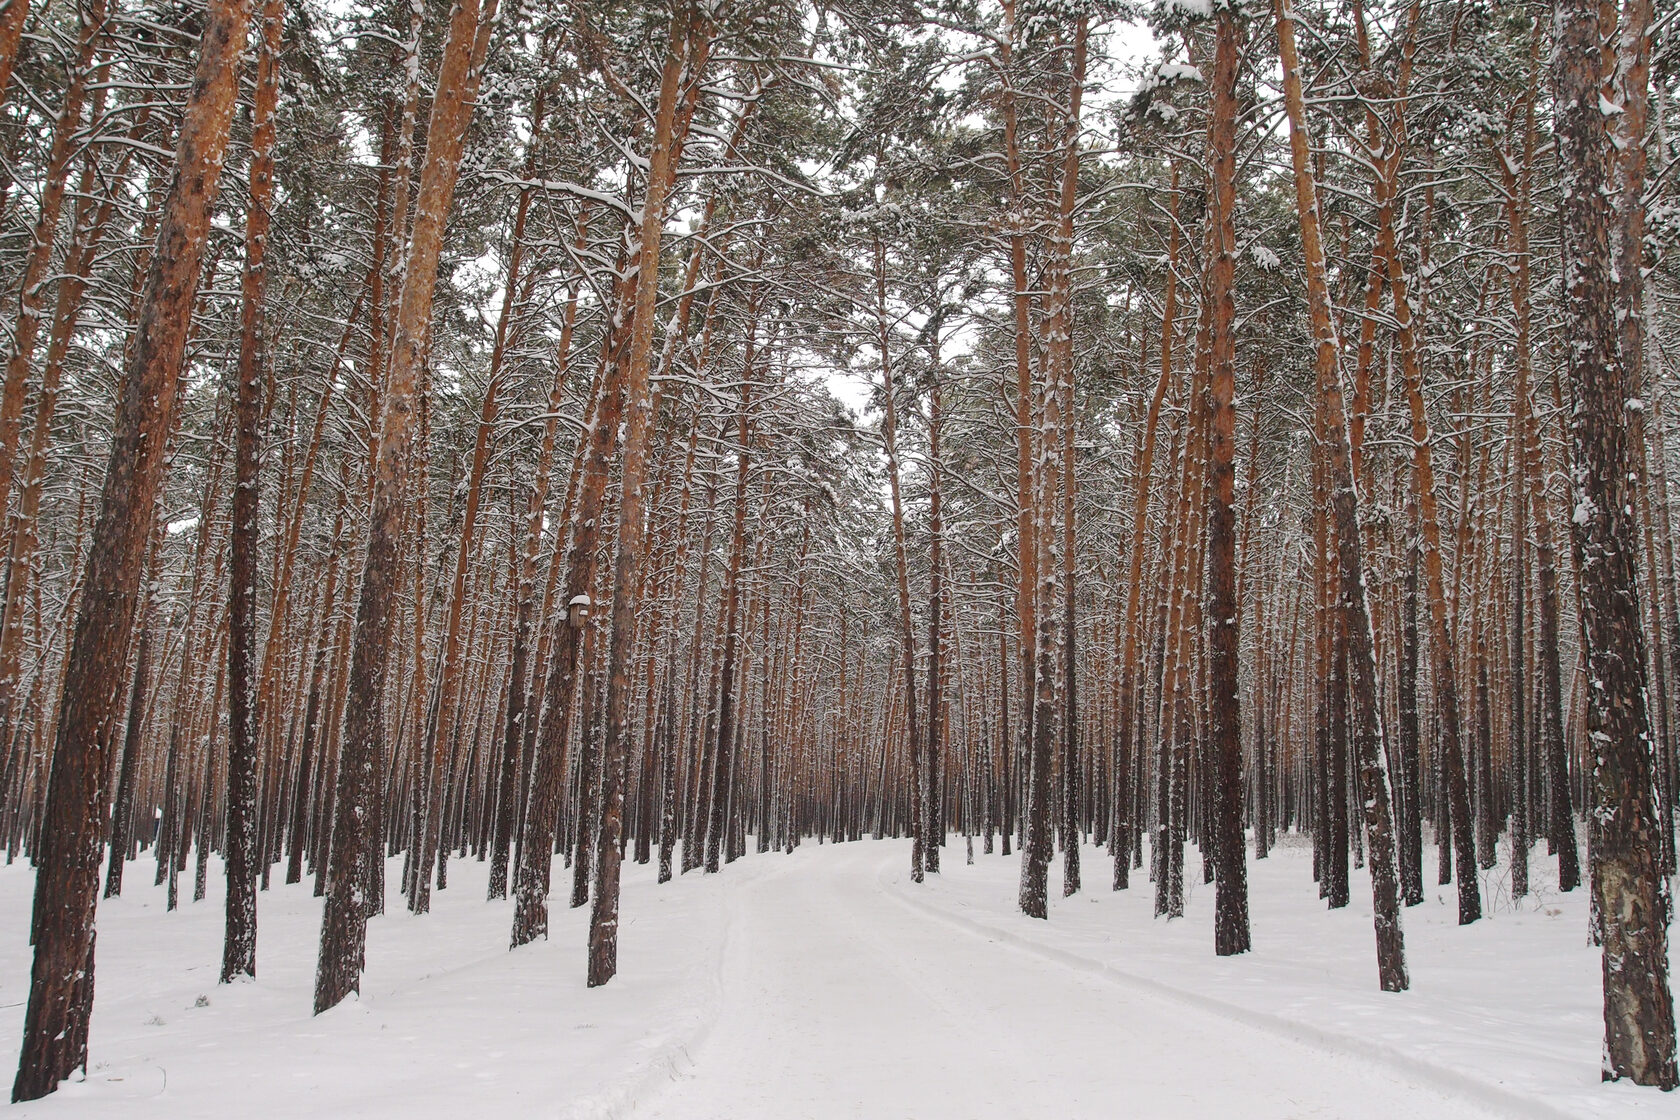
x: 577, y: 610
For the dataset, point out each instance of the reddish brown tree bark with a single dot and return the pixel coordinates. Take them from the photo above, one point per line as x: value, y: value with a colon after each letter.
x: 354, y: 838
x: 61, y: 990
x: 632, y: 531
x: 1639, y: 1032
x: 239, y: 943
x: 1344, y: 499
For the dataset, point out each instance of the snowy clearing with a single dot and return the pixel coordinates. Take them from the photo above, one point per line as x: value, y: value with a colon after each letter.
x: 826, y: 984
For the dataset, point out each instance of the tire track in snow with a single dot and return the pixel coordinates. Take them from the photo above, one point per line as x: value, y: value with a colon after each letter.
x: 838, y: 1006
x: 1443, y: 1080
x: 811, y: 961
x: 666, y: 1064
x: 894, y: 959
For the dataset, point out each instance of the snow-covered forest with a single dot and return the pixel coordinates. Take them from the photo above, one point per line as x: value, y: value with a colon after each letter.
x: 962, y: 558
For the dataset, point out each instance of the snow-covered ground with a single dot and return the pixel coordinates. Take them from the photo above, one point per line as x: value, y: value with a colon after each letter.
x: 825, y: 984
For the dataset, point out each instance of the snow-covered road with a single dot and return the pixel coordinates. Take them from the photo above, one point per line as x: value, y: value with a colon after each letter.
x: 825, y: 984
x: 840, y: 1001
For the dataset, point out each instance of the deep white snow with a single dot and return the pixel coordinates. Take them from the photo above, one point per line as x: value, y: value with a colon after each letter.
x: 826, y: 984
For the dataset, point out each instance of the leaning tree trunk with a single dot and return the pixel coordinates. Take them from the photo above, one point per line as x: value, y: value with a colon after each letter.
x: 1128, y: 750
x: 906, y: 628
x: 1344, y: 499
x: 591, y: 464
x: 1441, y: 641
x: 632, y: 532
x: 33, y: 284
x: 360, y: 783
x: 441, y: 729
x: 61, y: 989
x: 590, y: 469
x: 29, y: 464
x: 517, y: 712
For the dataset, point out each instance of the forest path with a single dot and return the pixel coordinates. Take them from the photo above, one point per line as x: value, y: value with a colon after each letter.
x: 825, y: 984
x: 837, y: 1002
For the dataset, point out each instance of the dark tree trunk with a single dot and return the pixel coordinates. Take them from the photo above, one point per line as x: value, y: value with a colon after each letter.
x: 1411, y: 821
x: 1344, y: 499
x: 122, y: 816
x: 354, y: 847
x: 239, y: 943
x: 558, y: 710
x: 1230, y: 920
x: 632, y: 530
x: 723, y: 753
x: 61, y: 989
x: 1639, y: 1036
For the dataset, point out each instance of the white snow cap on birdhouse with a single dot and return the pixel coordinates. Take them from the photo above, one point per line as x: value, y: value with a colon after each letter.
x: 577, y: 611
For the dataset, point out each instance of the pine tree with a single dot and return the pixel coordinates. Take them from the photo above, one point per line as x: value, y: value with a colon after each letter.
x: 61, y: 981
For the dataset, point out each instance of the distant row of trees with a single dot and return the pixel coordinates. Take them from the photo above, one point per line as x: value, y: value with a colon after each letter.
x: 418, y: 437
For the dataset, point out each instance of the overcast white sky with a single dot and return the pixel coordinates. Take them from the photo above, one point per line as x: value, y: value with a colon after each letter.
x: 1113, y: 78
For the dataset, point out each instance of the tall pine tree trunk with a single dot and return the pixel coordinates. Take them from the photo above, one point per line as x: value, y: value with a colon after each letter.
x: 239, y: 942
x: 354, y: 844
x: 1639, y: 1034
x: 1370, y: 759
x: 1060, y: 346
x: 721, y: 777
x: 61, y: 989
x: 632, y: 530
x: 901, y: 564
x: 1230, y: 921
x: 55, y: 179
